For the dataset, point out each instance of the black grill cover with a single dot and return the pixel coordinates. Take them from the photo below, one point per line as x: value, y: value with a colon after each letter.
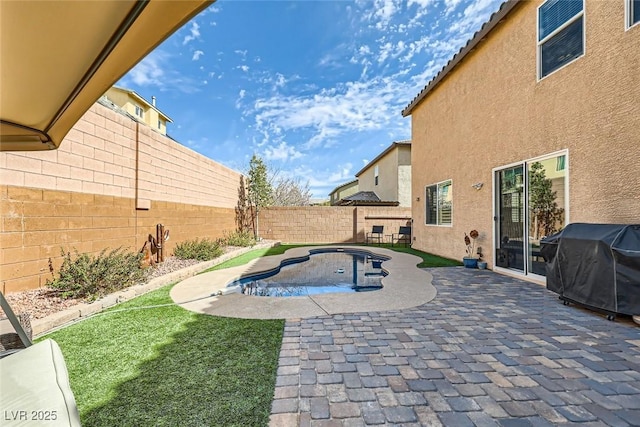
x: 597, y: 265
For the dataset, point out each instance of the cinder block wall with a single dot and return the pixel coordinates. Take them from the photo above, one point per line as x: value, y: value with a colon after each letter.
x: 329, y: 224
x: 108, y: 185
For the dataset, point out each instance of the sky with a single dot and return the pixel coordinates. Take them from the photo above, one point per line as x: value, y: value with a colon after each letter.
x: 315, y: 88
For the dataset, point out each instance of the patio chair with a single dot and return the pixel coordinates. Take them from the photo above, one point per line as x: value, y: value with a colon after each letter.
x: 20, y: 339
x: 375, y: 234
x: 403, y: 235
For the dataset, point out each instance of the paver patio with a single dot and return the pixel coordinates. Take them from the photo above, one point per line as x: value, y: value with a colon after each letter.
x: 488, y: 350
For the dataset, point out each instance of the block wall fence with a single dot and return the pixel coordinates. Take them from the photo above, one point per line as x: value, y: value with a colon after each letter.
x: 108, y: 185
x: 329, y: 224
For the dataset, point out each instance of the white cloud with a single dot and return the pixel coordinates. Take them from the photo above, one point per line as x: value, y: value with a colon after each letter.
x: 196, y: 55
x: 194, y: 33
x: 241, y: 96
x: 157, y: 70
x: 421, y: 3
x: 451, y: 5
x: 281, y: 152
x: 385, y: 52
x: 473, y: 17
x: 280, y: 80
x: 210, y: 9
x: 390, y: 50
x: 244, y: 68
x: 330, y: 60
x: 369, y: 105
x: 322, y: 181
x: 385, y: 10
x: 151, y: 70
x: 342, y: 174
x: 275, y: 82
x: 416, y: 47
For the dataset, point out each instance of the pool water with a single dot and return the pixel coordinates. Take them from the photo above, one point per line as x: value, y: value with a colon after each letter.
x: 323, y: 272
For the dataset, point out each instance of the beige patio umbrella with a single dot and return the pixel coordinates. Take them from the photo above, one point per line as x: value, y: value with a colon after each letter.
x: 58, y: 57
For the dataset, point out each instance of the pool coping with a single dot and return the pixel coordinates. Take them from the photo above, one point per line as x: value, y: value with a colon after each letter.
x: 405, y: 286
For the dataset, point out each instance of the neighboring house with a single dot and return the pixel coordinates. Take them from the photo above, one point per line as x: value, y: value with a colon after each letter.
x: 532, y: 125
x: 342, y: 191
x: 365, y: 198
x: 388, y: 176
x: 139, y: 108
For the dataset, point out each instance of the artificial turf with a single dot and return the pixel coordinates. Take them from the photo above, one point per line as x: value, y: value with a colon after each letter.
x: 150, y: 362
x: 142, y: 365
x: 428, y: 260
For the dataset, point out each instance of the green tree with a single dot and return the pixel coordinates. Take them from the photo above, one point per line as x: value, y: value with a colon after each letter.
x: 545, y: 213
x: 260, y: 192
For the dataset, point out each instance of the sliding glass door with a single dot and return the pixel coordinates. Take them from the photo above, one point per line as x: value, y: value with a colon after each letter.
x: 546, y: 205
x: 530, y: 204
x: 510, y: 218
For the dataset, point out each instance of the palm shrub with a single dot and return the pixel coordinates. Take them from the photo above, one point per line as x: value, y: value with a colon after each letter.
x: 202, y: 250
x: 89, y: 277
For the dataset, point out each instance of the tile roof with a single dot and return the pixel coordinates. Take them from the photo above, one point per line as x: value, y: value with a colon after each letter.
x: 369, y: 196
x: 472, y: 43
x: 365, y: 198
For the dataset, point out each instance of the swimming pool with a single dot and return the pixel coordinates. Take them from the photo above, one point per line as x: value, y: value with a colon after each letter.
x: 323, y: 271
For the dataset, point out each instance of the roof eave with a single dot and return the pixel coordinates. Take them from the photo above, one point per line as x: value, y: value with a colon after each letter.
x: 384, y: 153
x: 506, y: 7
x: 346, y: 184
x: 136, y: 95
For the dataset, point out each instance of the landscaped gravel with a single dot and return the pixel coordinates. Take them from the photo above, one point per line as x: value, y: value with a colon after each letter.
x: 42, y: 302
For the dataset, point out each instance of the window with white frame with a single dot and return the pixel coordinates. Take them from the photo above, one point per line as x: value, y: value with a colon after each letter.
x: 375, y: 175
x: 439, y: 203
x: 633, y: 12
x: 139, y: 111
x: 560, y: 34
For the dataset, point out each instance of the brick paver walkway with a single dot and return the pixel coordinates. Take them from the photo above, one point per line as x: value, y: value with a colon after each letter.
x: 489, y: 350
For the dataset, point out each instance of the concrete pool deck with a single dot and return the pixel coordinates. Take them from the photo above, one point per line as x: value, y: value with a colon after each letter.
x: 404, y: 287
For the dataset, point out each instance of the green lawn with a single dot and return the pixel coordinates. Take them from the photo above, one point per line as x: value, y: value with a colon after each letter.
x: 251, y: 255
x: 168, y: 366
x: 149, y: 362
x: 428, y: 260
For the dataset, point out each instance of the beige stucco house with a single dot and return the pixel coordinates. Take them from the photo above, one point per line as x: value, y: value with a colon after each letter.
x: 139, y: 108
x: 341, y: 191
x: 534, y: 124
x: 388, y: 175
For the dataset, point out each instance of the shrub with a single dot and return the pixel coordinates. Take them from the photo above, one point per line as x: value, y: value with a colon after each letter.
x: 87, y: 276
x: 202, y: 250
x: 239, y: 238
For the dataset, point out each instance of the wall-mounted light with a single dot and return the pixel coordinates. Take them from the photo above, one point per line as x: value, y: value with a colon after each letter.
x: 478, y: 185
x: 418, y: 199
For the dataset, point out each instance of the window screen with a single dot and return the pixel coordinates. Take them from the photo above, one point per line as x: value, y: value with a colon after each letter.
x: 560, y: 33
